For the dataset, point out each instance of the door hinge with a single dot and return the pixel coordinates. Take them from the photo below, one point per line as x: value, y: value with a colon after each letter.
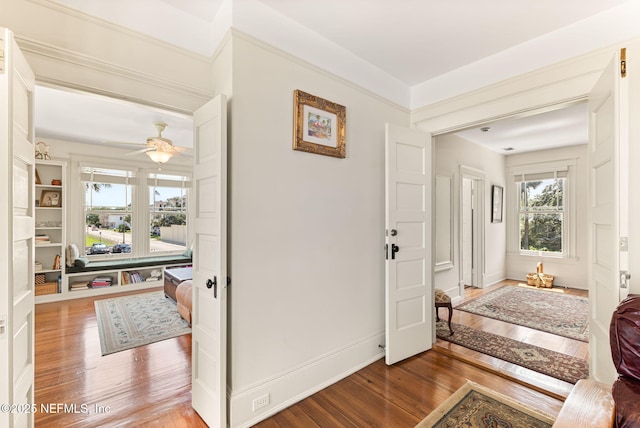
x: 624, y: 244
x: 623, y: 63
x: 625, y: 276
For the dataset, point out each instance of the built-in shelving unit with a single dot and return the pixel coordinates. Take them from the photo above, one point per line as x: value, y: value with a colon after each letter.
x: 50, y: 218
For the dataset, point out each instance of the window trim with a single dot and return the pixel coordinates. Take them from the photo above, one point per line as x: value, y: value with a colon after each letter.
x: 563, y: 212
x: 567, y: 168
x: 140, y: 198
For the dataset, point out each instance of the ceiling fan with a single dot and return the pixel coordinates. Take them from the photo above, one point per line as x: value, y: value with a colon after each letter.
x: 158, y: 148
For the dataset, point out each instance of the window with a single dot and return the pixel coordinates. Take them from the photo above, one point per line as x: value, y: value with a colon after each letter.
x: 167, y: 212
x: 542, y: 209
x: 130, y: 212
x: 542, y: 215
x: 108, y: 210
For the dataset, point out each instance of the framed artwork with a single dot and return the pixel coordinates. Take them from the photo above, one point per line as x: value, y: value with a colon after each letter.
x: 318, y: 125
x: 496, y: 204
x: 50, y: 198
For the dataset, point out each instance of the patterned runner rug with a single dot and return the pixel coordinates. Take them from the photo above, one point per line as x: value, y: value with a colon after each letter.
x: 560, y: 366
x: 131, y: 321
x: 543, y: 310
x: 476, y: 406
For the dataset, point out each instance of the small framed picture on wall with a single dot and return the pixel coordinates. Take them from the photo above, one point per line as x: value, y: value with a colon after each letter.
x: 496, y: 204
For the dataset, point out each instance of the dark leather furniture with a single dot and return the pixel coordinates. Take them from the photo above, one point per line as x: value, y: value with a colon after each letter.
x: 625, y: 350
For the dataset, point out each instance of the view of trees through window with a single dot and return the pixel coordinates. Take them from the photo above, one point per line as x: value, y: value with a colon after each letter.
x: 542, y: 215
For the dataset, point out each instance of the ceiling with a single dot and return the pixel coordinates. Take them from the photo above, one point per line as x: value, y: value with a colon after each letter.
x: 412, y: 41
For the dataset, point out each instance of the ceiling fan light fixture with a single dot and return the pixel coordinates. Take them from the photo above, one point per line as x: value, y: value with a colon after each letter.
x: 159, y: 156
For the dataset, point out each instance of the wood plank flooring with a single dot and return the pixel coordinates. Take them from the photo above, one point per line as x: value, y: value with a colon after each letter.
x: 150, y: 385
x: 146, y: 386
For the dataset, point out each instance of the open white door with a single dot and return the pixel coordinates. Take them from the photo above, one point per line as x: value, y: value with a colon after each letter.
x: 209, y: 318
x: 16, y: 236
x: 409, y: 265
x: 608, y: 166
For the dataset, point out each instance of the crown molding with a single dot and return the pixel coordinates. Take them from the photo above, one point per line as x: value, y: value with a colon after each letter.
x: 60, y: 56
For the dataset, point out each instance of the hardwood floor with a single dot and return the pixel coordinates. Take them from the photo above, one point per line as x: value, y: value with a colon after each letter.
x: 150, y: 385
x: 145, y: 386
x: 405, y: 393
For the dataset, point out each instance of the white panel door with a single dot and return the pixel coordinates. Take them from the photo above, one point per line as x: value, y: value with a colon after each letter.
x: 16, y: 236
x: 409, y: 272
x: 608, y: 127
x: 209, y: 318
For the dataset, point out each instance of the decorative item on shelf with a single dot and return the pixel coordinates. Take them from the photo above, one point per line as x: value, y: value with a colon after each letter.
x: 56, y: 182
x: 46, y: 288
x: 78, y: 285
x: 42, y: 239
x: 50, y: 198
x: 40, y: 278
x: 42, y: 151
x: 38, y: 181
x: 37, y: 266
x: 540, y: 279
x: 56, y: 262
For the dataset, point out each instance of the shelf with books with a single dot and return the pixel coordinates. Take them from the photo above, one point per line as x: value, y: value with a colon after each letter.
x: 141, y: 275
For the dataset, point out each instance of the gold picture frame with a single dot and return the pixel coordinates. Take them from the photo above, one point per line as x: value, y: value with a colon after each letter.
x: 319, y: 125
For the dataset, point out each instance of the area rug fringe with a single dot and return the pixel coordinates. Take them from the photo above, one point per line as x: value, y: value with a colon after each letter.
x: 522, y: 415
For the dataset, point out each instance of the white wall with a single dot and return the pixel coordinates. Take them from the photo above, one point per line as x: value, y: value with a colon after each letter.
x: 568, y: 272
x: 451, y: 152
x: 307, y: 234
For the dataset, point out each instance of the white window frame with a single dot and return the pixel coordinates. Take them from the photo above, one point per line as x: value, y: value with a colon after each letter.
x: 562, y: 168
x: 140, y: 202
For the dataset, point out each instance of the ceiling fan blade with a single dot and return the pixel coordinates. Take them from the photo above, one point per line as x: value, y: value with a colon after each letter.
x: 126, y: 143
x: 182, y: 149
x: 146, y: 149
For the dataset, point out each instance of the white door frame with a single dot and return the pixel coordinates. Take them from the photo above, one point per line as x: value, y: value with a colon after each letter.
x: 478, y: 177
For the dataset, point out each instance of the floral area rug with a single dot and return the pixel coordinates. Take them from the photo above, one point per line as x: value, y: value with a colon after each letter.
x: 543, y: 310
x: 560, y: 366
x: 476, y: 406
x: 131, y: 321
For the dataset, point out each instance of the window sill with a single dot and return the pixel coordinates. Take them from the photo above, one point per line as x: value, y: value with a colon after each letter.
x: 545, y: 257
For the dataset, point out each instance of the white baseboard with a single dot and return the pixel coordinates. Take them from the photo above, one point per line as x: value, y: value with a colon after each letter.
x: 492, y: 279
x: 303, y: 381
